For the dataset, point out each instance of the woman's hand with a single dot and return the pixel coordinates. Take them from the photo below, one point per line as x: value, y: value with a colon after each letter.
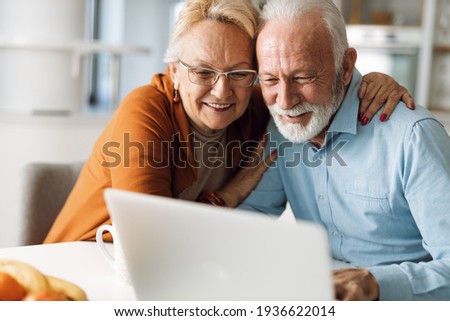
x: 246, y: 179
x: 377, y: 89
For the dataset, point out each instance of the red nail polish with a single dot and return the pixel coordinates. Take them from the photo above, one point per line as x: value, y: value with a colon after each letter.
x: 383, y: 117
x: 412, y: 106
x: 360, y: 117
x: 365, y: 120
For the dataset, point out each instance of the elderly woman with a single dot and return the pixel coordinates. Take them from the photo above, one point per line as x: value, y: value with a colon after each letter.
x: 186, y: 134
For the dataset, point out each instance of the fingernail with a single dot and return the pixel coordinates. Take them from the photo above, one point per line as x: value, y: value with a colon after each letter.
x: 412, y: 106
x: 364, y: 121
x: 360, y: 117
x: 274, y: 152
x: 383, y: 117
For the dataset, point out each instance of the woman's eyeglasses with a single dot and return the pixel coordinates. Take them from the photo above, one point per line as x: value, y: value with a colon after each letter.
x: 208, y: 77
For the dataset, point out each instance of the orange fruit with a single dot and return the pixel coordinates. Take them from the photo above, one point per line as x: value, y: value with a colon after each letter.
x: 10, y: 289
x: 46, y: 296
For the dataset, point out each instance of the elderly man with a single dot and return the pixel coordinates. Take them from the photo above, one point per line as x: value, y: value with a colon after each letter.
x: 380, y: 190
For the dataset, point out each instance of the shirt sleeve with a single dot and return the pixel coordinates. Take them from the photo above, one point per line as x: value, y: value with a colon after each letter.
x: 426, y: 185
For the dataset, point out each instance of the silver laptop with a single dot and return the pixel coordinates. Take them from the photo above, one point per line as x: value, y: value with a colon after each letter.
x: 180, y: 250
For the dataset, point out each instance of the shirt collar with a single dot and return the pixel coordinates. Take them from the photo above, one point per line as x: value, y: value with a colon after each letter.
x: 346, y: 119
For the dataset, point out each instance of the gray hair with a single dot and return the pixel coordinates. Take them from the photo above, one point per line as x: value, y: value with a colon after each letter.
x: 240, y: 13
x: 289, y: 10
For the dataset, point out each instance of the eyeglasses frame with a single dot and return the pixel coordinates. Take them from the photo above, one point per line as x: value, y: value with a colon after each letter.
x: 218, y: 74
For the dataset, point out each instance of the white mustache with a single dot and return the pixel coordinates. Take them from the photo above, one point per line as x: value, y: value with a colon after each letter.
x: 297, y: 110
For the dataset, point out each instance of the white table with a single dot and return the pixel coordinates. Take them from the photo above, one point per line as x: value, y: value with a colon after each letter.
x: 83, y: 264
x: 78, y: 262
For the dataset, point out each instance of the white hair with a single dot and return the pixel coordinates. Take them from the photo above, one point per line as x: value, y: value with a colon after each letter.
x: 240, y: 13
x: 289, y: 10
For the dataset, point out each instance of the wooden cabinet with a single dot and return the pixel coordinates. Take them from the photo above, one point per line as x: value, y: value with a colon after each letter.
x: 432, y: 18
x: 388, y: 37
x: 382, y: 12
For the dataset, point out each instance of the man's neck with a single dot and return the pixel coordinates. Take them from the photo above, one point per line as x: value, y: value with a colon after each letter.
x: 319, y: 140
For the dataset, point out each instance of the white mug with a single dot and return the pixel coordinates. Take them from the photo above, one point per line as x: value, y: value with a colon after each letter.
x: 116, y: 260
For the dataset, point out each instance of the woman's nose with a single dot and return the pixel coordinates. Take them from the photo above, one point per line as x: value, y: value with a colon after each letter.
x: 222, y: 88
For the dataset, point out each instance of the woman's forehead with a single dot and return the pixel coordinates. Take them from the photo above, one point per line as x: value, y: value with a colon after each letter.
x: 217, y: 43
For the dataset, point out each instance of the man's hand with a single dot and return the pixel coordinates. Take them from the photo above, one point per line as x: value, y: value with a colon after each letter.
x: 355, y: 285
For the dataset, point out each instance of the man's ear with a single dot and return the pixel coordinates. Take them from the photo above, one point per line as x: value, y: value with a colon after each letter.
x: 173, y: 75
x: 348, y: 64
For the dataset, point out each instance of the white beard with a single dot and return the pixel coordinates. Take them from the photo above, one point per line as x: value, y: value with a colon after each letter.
x: 299, y: 133
x: 320, y: 117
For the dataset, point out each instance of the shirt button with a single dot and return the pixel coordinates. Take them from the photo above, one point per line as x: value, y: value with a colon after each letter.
x: 335, y: 233
x: 321, y: 197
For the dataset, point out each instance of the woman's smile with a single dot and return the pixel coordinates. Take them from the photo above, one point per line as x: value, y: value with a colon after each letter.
x: 218, y: 107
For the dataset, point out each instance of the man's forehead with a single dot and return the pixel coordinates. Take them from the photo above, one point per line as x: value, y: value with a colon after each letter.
x: 287, y: 38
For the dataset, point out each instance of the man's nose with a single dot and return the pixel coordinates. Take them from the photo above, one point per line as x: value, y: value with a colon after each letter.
x: 286, y: 96
x: 222, y: 88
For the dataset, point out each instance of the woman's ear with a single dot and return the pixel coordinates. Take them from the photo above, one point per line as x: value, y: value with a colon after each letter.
x: 173, y: 74
x: 348, y: 64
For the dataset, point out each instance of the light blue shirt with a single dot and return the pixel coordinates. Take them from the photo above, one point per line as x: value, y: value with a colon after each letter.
x: 382, y: 192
